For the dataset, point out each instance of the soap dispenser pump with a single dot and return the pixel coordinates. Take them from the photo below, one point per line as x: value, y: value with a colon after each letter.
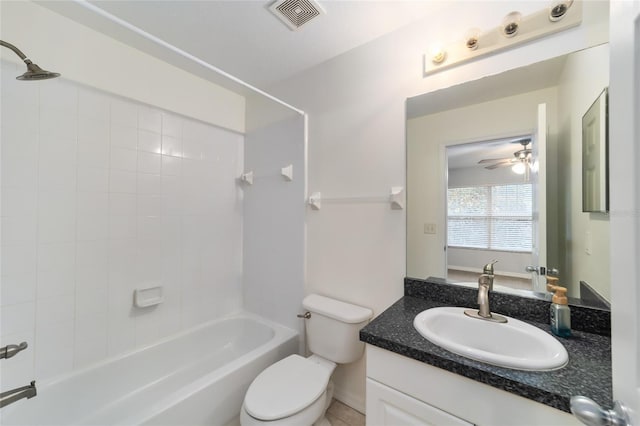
x: 560, y: 314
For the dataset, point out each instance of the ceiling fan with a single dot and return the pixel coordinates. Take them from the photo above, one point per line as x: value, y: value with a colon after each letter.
x: 522, y: 156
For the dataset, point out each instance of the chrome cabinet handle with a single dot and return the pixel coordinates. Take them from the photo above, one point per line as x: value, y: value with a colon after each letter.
x: 590, y: 413
x: 10, y: 350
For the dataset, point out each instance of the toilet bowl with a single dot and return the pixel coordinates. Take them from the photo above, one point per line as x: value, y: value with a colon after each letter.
x: 297, y: 391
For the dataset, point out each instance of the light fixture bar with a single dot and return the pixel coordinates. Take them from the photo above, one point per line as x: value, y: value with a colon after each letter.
x: 530, y: 27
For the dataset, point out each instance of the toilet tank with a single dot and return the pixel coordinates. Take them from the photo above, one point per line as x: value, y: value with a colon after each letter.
x: 333, y: 328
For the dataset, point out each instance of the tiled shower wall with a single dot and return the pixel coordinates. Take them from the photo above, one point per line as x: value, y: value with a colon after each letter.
x: 100, y: 196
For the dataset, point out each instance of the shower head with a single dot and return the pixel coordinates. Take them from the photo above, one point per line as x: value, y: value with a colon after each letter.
x: 34, y: 72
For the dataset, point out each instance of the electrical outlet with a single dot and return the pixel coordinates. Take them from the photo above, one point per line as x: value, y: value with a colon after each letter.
x: 429, y: 228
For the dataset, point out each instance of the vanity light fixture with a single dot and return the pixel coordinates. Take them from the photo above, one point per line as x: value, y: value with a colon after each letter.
x: 558, y: 9
x: 514, y: 29
x: 511, y: 24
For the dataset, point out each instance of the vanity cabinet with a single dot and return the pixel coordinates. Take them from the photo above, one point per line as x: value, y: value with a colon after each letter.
x: 403, y: 391
x: 389, y: 407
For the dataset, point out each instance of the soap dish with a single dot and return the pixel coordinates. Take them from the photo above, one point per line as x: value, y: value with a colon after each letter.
x: 145, y: 297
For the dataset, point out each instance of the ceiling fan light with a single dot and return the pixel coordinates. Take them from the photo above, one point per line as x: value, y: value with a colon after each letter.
x: 519, y: 168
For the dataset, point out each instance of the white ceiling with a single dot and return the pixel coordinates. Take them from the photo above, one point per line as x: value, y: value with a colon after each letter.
x: 245, y: 40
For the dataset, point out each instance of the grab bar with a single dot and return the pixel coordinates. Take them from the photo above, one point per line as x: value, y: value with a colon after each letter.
x: 10, y: 350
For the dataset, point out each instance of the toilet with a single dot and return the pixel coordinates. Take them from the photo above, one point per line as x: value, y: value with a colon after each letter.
x: 296, y: 391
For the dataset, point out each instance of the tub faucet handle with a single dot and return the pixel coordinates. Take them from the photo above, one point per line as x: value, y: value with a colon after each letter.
x: 306, y: 315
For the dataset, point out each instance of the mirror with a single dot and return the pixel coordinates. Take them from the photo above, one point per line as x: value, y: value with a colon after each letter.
x: 486, y: 119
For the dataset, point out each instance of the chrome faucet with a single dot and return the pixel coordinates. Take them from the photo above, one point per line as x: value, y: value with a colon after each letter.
x: 485, y: 286
x: 13, y: 395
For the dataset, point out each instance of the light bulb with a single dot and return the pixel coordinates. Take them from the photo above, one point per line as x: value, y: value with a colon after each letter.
x: 472, y: 37
x: 558, y: 9
x: 519, y: 168
x: 511, y: 23
x: 438, y: 54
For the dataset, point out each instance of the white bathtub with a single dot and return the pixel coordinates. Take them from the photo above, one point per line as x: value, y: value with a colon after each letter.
x: 195, y: 378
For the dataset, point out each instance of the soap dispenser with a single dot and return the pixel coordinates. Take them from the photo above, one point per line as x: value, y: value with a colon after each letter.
x: 560, y: 315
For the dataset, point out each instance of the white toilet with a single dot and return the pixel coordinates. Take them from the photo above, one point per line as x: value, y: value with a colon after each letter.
x: 296, y: 391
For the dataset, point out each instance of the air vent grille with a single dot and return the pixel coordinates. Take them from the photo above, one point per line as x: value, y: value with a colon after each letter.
x: 296, y: 13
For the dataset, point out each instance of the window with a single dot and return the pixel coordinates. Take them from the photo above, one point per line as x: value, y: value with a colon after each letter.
x: 495, y: 217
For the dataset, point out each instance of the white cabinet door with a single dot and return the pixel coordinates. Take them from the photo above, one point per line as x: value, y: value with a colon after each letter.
x: 388, y: 407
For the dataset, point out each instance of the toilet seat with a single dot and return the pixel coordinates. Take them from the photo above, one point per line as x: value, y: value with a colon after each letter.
x: 286, y: 388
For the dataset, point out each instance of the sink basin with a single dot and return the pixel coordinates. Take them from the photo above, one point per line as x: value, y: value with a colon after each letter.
x: 514, y: 344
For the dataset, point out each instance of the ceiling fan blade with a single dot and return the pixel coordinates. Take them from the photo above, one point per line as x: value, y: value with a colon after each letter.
x: 501, y: 164
x: 493, y: 160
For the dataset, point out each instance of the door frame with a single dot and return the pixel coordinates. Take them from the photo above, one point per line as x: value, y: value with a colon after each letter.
x: 624, y: 190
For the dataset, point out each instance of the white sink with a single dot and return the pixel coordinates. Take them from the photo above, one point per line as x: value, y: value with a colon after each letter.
x: 514, y: 344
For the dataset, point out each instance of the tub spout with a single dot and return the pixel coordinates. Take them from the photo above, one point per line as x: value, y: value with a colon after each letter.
x: 13, y: 395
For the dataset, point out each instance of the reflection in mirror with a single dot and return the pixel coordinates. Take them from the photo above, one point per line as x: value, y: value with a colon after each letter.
x: 449, y: 131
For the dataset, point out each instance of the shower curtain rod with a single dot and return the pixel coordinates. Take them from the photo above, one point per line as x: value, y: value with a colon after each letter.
x: 159, y: 41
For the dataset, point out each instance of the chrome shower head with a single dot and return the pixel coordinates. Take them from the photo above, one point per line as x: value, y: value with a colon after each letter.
x: 34, y: 72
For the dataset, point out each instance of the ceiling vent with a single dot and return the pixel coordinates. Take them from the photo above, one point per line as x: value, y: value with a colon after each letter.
x: 296, y: 13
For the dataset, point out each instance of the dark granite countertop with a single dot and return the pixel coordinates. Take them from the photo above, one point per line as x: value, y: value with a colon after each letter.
x: 588, y: 372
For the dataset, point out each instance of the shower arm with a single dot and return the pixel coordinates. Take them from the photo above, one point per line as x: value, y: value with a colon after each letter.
x: 16, y: 51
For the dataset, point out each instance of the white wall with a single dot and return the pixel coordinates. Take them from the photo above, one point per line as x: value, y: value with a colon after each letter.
x: 356, y: 108
x: 86, y: 56
x: 577, y: 90
x: 426, y: 138
x: 273, y: 236
x: 100, y: 196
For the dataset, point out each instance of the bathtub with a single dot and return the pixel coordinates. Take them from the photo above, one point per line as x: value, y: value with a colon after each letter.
x: 197, y: 377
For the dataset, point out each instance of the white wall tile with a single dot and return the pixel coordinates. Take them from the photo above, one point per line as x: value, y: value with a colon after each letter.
x: 18, y: 202
x: 92, y: 203
x: 19, y: 288
x: 18, y: 259
x: 193, y: 148
x: 93, y: 154
x: 171, y: 125
x: 90, y: 339
x: 122, y: 181
x: 56, y: 256
x: 93, y: 104
x: 122, y: 227
x: 149, y: 141
x: 150, y: 119
x: 56, y: 282
x: 93, y: 132
x: 122, y: 204
x: 56, y: 216
x: 149, y: 184
x: 149, y: 205
x: 171, y: 166
x: 58, y: 123
x: 54, y: 345
x: 124, y: 136
x: 149, y: 228
x: 124, y: 112
x: 61, y: 95
x: 57, y: 175
x: 171, y: 146
x: 57, y: 148
x: 123, y: 159
x: 149, y: 163
x: 91, y: 228
x: 17, y: 318
x: 94, y: 179
x: 18, y: 229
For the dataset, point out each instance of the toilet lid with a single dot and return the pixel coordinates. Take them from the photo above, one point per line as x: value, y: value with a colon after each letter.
x: 285, y: 388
